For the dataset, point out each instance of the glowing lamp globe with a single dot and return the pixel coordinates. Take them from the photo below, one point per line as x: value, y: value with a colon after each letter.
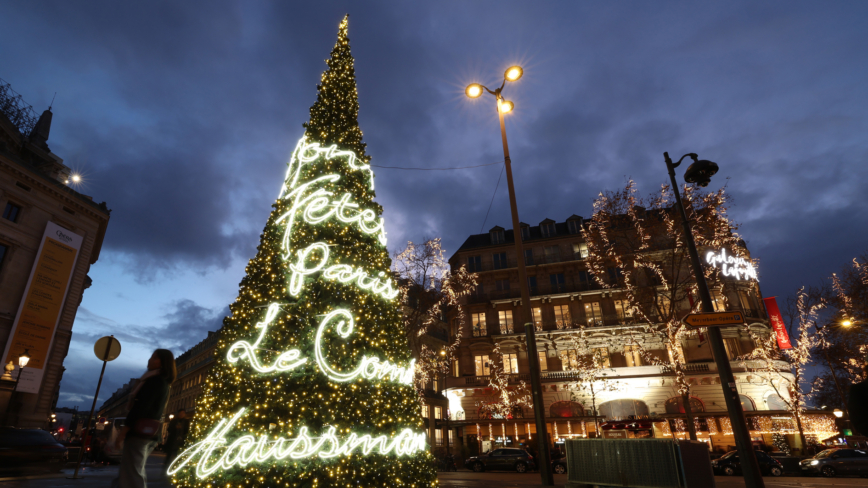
x: 506, y: 106
x: 513, y: 73
x: 23, y: 359
x: 473, y: 90
x: 838, y: 413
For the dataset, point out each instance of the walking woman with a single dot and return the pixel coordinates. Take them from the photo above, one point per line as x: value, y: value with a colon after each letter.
x: 142, y: 425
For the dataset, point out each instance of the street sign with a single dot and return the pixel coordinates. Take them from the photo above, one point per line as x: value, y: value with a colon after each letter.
x: 713, y: 319
x: 104, y: 354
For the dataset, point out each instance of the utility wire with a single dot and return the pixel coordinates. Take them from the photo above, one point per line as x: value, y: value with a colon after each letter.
x: 492, y: 199
x: 437, y: 169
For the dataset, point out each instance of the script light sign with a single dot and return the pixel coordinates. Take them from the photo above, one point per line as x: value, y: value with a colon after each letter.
x: 734, y: 266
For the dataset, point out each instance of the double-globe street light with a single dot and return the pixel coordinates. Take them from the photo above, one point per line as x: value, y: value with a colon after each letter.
x: 700, y: 172
x: 476, y: 90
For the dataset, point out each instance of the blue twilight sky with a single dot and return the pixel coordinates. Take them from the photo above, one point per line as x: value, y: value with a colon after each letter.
x: 181, y: 116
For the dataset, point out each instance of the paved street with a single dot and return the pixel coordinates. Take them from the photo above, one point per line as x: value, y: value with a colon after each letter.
x: 102, y: 477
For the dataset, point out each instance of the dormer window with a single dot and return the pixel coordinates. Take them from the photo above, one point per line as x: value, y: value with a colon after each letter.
x: 547, y: 227
x: 574, y: 224
x: 497, y: 235
x: 525, y: 232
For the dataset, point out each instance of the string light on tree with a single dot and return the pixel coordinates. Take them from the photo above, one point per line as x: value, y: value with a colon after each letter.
x: 313, y: 381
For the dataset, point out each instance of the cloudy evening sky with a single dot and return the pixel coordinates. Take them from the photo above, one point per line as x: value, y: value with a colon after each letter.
x: 182, y: 115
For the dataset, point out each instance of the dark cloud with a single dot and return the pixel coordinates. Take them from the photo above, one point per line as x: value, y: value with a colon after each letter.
x: 183, y: 114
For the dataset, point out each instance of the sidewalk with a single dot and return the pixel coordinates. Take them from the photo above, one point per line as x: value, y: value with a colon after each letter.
x: 98, y: 477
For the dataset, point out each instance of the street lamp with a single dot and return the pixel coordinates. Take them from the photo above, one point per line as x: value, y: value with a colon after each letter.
x: 838, y: 413
x: 475, y: 90
x: 23, y: 359
x: 700, y: 173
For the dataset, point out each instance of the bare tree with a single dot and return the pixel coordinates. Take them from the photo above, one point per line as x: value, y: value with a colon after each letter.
x: 792, y: 389
x: 637, y: 245
x: 428, y: 289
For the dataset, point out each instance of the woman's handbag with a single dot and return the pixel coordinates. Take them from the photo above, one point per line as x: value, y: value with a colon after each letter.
x: 146, y: 427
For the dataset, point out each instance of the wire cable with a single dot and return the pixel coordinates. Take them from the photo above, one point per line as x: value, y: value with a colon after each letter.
x: 492, y: 199
x: 435, y: 169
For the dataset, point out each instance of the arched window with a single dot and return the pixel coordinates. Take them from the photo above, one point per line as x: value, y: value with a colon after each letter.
x: 747, y: 404
x: 676, y: 405
x: 775, y: 402
x: 567, y: 409
x: 622, y: 409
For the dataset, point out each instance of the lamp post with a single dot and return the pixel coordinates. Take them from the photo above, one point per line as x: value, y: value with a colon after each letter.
x: 23, y: 359
x: 475, y: 90
x: 442, y: 389
x: 700, y: 172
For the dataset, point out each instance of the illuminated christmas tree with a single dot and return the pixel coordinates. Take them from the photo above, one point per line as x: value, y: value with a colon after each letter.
x: 313, y: 384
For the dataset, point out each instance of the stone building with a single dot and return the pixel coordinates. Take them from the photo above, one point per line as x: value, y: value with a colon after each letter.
x: 638, y: 399
x: 35, y: 191
x: 193, y: 366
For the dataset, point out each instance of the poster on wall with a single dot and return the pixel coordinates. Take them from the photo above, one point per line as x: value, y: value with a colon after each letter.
x: 39, y: 312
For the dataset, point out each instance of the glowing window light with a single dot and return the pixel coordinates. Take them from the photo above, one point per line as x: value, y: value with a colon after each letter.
x: 214, y: 454
x: 369, y: 368
x: 342, y: 273
x: 286, y: 361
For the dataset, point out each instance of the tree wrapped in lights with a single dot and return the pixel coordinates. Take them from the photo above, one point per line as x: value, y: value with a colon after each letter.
x: 637, y: 246
x: 313, y: 381
x: 428, y: 289
x: 789, y: 382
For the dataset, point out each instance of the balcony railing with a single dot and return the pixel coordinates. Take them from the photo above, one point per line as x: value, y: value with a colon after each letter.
x: 539, y: 290
x: 511, y: 263
x: 479, y: 332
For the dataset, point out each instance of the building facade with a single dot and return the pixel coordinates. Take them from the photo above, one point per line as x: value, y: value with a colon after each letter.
x: 193, y: 367
x: 636, y: 399
x: 34, y: 191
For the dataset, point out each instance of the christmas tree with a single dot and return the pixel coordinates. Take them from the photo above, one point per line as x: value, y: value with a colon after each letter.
x: 313, y: 381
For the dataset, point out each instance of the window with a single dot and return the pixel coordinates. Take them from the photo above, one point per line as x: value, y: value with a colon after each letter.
x: 501, y: 285
x: 553, y: 254
x: 558, y: 283
x: 623, y: 409
x: 775, y: 402
x: 456, y: 370
x: 562, y: 316
x: 580, y: 250
x: 424, y: 411
x: 747, y: 304
x: 435, y: 383
x: 505, y: 320
x: 438, y: 436
x: 533, y: 289
x: 543, y: 363
x: 478, y: 321
x: 510, y: 363
x: 3, y: 250
x: 663, y: 308
x: 438, y: 413
x: 593, y: 315
x: 731, y: 345
x: 569, y: 359
x: 500, y: 260
x: 717, y: 301
x: 601, y: 355
x: 537, y: 318
x: 746, y: 403
x: 633, y: 355
x: 525, y: 232
x: 586, y: 280
x: 11, y: 212
x: 456, y: 328
x: 547, y: 229
x: 497, y: 236
x: 575, y: 226
x: 482, y: 366
x: 615, y: 275
x: 675, y: 405
x: 623, y: 310
x: 528, y: 257
x: 474, y: 263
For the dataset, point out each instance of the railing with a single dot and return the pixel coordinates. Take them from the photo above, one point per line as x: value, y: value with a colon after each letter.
x: 511, y: 263
x: 479, y: 332
x: 516, y: 378
x: 538, y: 290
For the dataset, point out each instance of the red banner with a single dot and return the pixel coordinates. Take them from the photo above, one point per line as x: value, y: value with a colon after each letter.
x: 777, y: 323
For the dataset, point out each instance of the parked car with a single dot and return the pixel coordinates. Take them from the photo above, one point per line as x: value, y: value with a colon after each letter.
x: 505, y: 458
x: 833, y: 462
x: 729, y: 464
x: 559, y: 466
x: 30, y: 450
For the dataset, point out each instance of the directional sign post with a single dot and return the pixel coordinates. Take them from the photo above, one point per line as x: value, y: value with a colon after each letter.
x: 713, y: 319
